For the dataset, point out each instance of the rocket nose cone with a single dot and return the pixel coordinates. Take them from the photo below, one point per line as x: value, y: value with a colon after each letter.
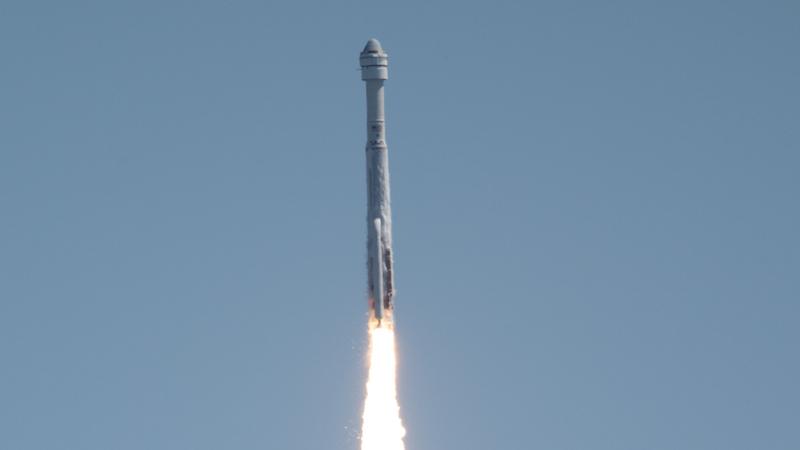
x: 373, y: 46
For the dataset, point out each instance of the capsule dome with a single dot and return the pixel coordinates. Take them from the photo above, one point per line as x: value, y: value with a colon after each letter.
x: 373, y: 46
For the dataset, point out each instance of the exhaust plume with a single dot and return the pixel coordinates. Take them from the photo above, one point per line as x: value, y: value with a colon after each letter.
x: 382, y: 428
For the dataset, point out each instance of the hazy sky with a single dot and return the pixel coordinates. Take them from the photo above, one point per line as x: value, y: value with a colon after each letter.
x: 595, y: 210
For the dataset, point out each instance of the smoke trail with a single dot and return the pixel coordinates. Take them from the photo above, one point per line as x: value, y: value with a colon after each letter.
x: 382, y: 429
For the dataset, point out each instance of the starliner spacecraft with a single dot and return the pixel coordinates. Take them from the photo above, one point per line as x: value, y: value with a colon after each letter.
x: 374, y: 71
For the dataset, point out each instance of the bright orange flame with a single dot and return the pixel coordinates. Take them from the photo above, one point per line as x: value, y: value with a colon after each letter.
x: 382, y: 429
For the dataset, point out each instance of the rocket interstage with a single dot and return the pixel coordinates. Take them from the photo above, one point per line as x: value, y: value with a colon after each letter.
x: 374, y: 71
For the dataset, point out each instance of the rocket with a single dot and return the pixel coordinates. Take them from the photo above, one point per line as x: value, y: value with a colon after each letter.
x: 374, y: 71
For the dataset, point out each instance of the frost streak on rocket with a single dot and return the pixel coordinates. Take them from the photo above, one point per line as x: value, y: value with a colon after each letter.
x: 374, y: 71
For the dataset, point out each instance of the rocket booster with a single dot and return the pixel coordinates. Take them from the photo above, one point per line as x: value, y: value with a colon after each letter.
x: 379, y: 212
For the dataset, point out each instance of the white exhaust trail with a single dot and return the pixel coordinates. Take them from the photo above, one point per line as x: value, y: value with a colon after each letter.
x: 382, y: 428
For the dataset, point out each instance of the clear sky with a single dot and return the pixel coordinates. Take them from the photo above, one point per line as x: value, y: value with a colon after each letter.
x: 595, y: 208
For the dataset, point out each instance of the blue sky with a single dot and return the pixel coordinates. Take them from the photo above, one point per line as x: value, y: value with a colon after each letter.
x: 595, y: 212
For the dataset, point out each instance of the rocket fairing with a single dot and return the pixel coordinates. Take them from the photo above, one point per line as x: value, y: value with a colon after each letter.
x: 379, y: 212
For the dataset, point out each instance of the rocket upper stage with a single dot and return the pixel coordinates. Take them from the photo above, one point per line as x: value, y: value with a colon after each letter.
x: 380, y: 277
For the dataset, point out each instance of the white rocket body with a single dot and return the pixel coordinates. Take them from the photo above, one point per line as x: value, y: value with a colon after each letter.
x: 379, y: 212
